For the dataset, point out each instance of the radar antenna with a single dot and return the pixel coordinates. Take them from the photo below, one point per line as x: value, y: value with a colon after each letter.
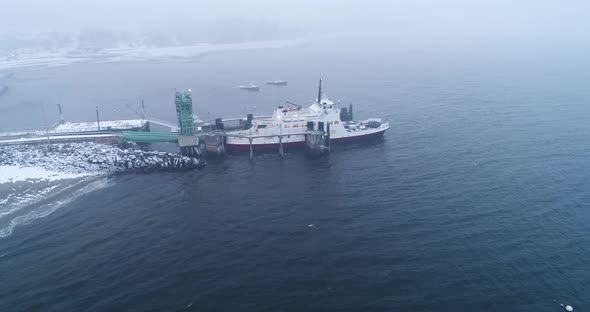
x: 320, y: 93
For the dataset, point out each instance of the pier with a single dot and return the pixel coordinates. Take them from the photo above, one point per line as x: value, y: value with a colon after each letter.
x: 117, y: 131
x: 127, y: 131
x: 317, y: 142
x: 187, y: 133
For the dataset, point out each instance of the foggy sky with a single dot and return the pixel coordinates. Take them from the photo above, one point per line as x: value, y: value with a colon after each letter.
x: 421, y: 17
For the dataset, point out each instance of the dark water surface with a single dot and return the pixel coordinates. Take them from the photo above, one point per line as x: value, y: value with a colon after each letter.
x: 476, y: 198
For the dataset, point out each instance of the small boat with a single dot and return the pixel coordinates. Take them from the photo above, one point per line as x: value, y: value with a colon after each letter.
x: 250, y: 87
x: 277, y: 82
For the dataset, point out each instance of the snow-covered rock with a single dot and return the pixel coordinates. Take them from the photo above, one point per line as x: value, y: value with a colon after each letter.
x: 92, y: 158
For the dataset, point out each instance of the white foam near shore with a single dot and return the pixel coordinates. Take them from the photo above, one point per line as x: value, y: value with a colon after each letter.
x: 47, y: 209
x: 12, y: 174
x: 18, y: 201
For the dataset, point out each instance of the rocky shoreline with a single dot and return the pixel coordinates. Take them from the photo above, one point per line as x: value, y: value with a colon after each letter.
x: 94, y: 158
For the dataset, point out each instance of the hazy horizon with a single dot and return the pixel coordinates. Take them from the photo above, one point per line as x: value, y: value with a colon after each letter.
x: 421, y: 18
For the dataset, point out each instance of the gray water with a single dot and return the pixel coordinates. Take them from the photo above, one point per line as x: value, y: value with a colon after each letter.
x: 476, y: 198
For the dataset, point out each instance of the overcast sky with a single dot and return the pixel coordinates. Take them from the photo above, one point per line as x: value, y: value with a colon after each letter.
x: 420, y: 16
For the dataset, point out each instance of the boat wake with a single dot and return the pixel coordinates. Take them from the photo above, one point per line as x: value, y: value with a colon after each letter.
x: 24, y: 208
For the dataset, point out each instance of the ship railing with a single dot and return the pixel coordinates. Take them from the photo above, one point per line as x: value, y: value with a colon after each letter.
x: 254, y: 136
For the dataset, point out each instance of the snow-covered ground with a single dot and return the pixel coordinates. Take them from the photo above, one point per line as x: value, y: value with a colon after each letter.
x: 33, y: 174
x: 41, y: 138
x: 93, y: 125
x: 70, y: 127
x: 68, y: 57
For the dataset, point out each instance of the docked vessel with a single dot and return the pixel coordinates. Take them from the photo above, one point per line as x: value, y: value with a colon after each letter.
x: 289, y: 124
x: 250, y: 87
x: 277, y: 82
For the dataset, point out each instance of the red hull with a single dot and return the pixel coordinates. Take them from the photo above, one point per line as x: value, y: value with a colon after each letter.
x: 275, y: 146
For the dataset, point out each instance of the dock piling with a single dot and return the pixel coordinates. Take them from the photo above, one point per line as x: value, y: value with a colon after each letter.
x: 327, y: 141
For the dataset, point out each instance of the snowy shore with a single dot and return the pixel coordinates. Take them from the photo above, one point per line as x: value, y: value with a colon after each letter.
x: 68, y: 57
x: 14, y: 174
x: 65, y: 161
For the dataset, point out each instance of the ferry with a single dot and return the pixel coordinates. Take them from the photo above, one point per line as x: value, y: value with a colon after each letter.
x: 292, y: 121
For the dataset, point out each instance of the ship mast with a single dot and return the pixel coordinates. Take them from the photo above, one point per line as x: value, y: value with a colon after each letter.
x: 320, y: 93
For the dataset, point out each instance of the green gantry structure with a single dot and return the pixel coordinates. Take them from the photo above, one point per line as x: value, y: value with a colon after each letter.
x: 187, y: 140
x: 148, y: 137
x: 184, y: 111
x: 185, y: 136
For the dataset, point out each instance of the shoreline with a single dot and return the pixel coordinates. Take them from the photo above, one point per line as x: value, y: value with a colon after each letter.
x: 70, y: 57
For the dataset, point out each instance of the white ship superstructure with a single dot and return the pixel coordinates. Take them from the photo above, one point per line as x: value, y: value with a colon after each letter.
x: 291, y: 123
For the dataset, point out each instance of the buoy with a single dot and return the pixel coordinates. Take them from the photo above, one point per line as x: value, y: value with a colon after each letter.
x: 311, y: 225
x: 569, y: 308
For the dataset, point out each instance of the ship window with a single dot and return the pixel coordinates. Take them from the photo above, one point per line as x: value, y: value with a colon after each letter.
x: 286, y: 126
x: 336, y: 121
x: 295, y: 126
x: 261, y: 126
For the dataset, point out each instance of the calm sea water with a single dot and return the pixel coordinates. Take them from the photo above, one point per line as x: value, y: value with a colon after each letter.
x: 476, y: 198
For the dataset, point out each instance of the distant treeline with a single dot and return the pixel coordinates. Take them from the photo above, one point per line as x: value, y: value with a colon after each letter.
x: 222, y: 30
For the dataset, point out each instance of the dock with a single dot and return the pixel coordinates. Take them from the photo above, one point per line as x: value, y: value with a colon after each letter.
x: 189, y: 134
x: 116, y: 131
x: 214, y: 135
